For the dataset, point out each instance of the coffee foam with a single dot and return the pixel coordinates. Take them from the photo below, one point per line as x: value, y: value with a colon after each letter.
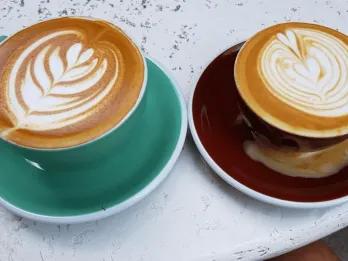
x: 58, y: 85
x: 300, y: 81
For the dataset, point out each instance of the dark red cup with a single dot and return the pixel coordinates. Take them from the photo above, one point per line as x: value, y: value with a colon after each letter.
x: 267, y: 134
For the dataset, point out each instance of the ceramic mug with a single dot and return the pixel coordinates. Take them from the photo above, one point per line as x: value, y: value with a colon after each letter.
x: 278, y: 116
x: 93, y: 151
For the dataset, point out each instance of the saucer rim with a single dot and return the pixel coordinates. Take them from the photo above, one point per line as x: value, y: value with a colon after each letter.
x: 137, y: 197
x: 229, y: 179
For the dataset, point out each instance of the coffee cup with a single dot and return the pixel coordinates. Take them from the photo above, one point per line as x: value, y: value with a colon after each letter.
x: 293, y: 91
x: 71, y: 92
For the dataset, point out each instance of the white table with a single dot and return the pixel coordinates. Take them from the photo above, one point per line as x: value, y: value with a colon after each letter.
x: 193, y: 215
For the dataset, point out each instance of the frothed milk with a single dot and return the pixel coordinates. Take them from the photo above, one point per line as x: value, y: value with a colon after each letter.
x: 67, y: 81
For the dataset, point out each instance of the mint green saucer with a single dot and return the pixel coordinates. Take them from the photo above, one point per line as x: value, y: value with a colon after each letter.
x: 96, y: 191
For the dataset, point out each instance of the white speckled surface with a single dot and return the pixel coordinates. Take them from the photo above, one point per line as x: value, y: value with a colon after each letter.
x: 193, y: 215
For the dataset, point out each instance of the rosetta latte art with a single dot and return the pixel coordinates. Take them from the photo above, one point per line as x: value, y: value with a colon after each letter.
x: 51, y: 87
x: 307, y: 69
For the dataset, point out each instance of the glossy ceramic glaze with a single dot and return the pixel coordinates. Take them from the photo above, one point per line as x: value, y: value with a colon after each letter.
x: 93, y: 190
x: 221, y: 132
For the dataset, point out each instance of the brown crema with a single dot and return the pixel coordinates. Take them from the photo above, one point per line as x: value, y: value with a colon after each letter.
x: 283, y: 108
x: 67, y: 81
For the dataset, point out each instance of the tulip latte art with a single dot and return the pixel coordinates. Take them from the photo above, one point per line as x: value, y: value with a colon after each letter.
x: 295, y: 76
x: 67, y: 81
x: 307, y: 69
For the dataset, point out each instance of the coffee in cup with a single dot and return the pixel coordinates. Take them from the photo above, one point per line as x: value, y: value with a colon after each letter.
x: 67, y: 81
x: 292, y: 79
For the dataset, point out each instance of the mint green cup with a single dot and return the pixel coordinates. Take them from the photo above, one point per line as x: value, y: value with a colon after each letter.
x: 103, y: 176
x: 91, y: 152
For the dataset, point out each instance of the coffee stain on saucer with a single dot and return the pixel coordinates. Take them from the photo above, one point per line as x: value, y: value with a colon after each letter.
x: 317, y: 164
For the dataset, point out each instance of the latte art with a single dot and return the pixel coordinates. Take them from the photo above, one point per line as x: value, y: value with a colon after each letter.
x: 307, y: 69
x: 67, y: 81
x: 53, y: 88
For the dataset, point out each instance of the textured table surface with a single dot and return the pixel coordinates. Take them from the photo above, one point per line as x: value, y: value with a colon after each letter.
x: 193, y: 215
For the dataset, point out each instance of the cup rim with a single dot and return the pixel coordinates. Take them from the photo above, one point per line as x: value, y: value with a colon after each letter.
x: 229, y: 179
x: 309, y: 135
x: 123, y: 120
